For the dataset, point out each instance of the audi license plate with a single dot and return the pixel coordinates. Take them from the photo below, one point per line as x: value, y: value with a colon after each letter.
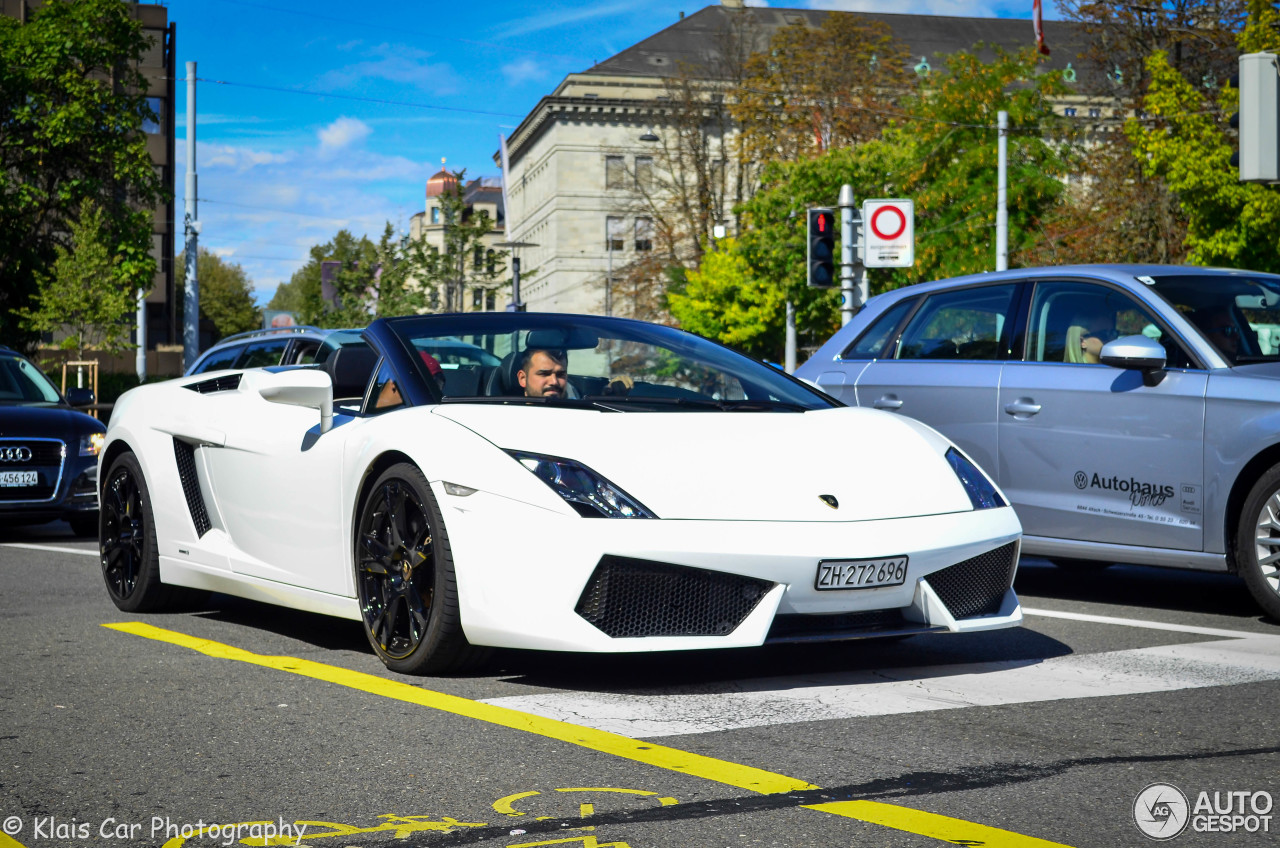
x: 861, y: 573
x: 19, y: 478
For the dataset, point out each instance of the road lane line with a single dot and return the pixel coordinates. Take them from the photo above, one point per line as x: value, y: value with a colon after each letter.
x: 724, y: 772
x: 1143, y: 623
x: 7, y: 841
x: 833, y: 696
x: 54, y: 548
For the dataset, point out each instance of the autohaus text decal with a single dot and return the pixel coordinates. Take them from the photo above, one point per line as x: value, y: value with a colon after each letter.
x: 1140, y: 493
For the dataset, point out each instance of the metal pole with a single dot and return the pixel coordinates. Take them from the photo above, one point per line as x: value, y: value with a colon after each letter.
x: 790, y: 363
x: 191, y: 288
x: 608, y: 276
x: 848, y: 256
x: 140, y: 363
x: 515, y: 284
x: 1002, y: 195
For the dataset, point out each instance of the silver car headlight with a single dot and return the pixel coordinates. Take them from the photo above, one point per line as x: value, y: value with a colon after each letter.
x: 982, y: 494
x: 586, y: 491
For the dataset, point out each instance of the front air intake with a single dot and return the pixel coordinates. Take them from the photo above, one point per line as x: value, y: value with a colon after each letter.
x: 977, y: 585
x: 629, y: 598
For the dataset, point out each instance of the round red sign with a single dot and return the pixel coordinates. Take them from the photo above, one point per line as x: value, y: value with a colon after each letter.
x: 890, y: 232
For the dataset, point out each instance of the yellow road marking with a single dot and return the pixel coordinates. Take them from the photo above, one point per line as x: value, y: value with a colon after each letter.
x: 945, y: 828
x: 7, y: 841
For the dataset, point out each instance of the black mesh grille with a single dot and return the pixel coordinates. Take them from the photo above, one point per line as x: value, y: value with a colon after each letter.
x: 635, y: 597
x: 186, y: 456
x: 801, y: 626
x: 46, y: 458
x: 976, y: 586
x: 226, y: 383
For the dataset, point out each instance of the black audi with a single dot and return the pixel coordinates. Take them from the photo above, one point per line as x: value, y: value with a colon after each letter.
x: 48, y: 451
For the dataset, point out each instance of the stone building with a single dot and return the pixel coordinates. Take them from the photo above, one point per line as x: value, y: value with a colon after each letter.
x: 579, y: 160
x: 472, y: 291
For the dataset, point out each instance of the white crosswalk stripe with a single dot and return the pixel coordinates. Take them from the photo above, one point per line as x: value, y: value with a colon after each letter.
x: 788, y: 700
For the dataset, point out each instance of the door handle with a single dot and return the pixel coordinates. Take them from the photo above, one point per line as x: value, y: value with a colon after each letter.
x: 1022, y: 407
x: 887, y: 402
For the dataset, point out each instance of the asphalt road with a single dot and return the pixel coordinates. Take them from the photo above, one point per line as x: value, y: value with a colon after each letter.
x: 140, y: 730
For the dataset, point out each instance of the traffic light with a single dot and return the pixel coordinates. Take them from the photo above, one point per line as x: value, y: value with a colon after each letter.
x: 1258, y: 120
x: 821, y: 256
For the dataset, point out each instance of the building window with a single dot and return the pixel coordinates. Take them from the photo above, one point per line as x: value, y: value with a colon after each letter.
x: 613, y: 233
x: 615, y: 175
x: 477, y: 257
x: 644, y: 172
x: 435, y: 214
x: 644, y: 234
x: 490, y: 301
x: 477, y: 298
x: 156, y: 105
x: 1095, y: 112
x: 491, y: 261
x: 1070, y: 111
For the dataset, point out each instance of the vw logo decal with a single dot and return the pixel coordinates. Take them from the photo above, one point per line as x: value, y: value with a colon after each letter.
x: 18, y: 454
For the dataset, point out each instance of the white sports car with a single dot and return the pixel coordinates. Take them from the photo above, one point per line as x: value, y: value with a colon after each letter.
x: 609, y: 485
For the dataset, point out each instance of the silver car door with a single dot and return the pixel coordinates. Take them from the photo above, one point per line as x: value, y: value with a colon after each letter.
x: 1087, y: 451
x: 944, y: 368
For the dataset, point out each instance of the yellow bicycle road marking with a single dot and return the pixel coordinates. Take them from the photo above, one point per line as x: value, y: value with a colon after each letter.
x: 932, y: 825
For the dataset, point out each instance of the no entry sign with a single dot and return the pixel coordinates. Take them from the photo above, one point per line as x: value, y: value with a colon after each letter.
x: 889, y: 232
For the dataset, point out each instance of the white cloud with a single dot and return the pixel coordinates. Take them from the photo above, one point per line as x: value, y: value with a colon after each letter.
x: 239, y: 159
x: 524, y: 70
x: 562, y: 17
x: 395, y: 64
x: 343, y: 132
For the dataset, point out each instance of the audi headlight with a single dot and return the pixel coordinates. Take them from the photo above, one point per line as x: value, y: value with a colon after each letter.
x: 982, y: 494
x: 91, y: 445
x: 586, y: 491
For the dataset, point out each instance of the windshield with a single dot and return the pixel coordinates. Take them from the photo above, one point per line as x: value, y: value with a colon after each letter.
x: 1239, y: 314
x: 22, y: 382
x: 589, y: 360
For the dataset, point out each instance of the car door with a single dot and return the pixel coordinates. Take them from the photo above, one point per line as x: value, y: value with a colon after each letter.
x: 277, y: 483
x: 944, y: 366
x: 1087, y: 451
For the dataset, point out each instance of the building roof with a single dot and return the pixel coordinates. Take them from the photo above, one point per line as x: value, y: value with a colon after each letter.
x: 694, y: 39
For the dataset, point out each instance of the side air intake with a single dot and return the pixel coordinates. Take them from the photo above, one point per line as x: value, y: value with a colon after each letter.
x: 977, y: 585
x: 185, y: 454
x: 225, y: 383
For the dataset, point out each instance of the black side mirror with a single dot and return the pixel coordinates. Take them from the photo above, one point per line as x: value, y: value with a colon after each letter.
x: 80, y: 397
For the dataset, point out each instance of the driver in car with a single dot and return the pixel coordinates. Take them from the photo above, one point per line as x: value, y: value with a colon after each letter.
x: 544, y: 372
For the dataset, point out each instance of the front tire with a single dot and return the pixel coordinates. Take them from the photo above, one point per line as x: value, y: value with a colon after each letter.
x: 405, y: 579
x: 1258, y: 543
x: 127, y: 541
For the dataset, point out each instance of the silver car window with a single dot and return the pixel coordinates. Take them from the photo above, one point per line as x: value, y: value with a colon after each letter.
x: 872, y: 341
x: 963, y: 324
x: 1070, y: 321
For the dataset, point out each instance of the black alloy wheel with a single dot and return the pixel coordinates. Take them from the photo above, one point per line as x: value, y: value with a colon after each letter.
x: 405, y: 580
x: 127, y: 540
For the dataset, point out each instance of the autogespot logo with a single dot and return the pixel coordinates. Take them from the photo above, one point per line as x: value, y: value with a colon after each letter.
x: 1160, y: 811
x: 18, y: 454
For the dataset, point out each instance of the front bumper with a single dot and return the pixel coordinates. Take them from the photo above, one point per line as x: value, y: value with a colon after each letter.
x: 527, y: 584
x: 67, y: 485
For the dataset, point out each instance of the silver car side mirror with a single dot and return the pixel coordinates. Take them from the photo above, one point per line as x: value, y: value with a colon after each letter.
x: 1137, y: 353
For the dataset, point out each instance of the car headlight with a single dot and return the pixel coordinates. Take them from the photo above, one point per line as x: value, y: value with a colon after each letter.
x: 91, y: 445
x: 586, y: 491
x: 981, y: 493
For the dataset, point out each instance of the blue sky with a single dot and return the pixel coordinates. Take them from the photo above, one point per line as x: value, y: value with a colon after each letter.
x: 317, y: 116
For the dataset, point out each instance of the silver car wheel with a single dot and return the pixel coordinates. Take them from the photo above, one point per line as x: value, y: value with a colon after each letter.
x: 1267, y: 543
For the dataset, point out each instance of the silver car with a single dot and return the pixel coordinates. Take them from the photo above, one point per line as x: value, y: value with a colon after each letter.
x: 1130, y: 413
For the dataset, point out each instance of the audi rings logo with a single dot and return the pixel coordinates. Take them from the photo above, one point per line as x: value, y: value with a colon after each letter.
x: 18, y: 454
x: 1082, y: 480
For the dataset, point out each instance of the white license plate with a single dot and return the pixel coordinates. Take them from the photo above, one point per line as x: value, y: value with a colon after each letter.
x: 19, y: 478
x: 861, y: 573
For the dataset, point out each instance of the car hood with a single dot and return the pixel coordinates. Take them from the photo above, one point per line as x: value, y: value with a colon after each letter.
x: 54, y: 422
x: 761, y: 466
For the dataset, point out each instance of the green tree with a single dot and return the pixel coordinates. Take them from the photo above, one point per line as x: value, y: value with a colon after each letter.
x: 83, y: 296
x: 72, y: 105
x: 226, y: 293
x: 725, y: 301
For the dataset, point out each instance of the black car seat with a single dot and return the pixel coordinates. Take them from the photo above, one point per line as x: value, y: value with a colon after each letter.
x: 350, y: 368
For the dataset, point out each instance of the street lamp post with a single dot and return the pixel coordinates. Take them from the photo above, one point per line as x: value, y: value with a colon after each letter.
x: 516, y: 305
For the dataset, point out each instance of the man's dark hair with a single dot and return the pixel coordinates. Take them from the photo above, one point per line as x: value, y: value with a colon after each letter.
x: 555, y: 353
